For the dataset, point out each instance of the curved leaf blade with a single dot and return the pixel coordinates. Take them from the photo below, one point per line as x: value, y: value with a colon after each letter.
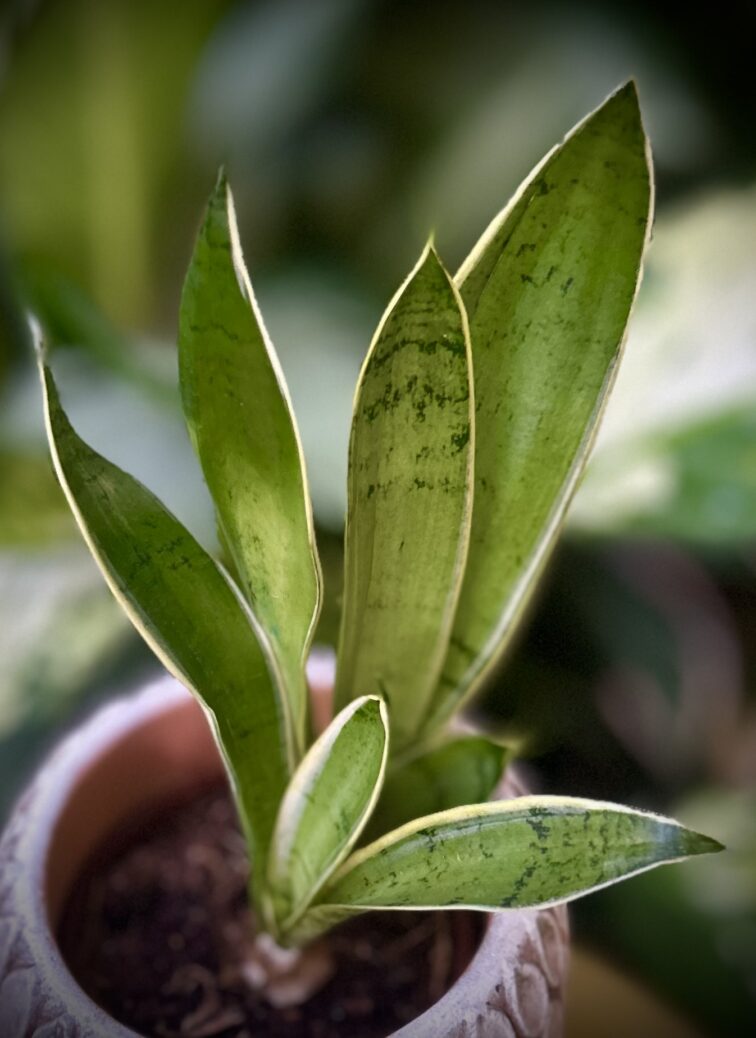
x: 527, y: 852
x: 548, y: 290
x: 185, y: 609
x: 462, y: 771
x: 328, y: 801
x: 410, y: 494
x: 240, y: 420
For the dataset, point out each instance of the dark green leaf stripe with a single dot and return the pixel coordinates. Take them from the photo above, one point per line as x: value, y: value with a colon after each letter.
x: 182, y: 605
x: 326, y: 805
x: 510, y: 854
x: 240, y: 420
x: 462, y: 771
x: 410, y: 470
x: 548, y: 290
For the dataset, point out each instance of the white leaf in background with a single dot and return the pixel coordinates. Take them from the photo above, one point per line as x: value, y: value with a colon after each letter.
x: 676, y: 453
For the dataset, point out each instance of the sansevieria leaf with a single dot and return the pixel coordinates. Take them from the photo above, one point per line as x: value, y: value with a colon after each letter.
x: 240, y: 420
x: 464, y: 770
x: 326, y: 805
x: 183, y: 606
x: 410, y: 474
x: 548, y: 291
x: 509, y: 854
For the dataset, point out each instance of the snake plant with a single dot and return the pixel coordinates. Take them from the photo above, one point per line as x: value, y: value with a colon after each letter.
x: 474, y: 414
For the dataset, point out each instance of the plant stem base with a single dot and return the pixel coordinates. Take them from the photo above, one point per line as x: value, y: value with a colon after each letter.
x: 168, y: 949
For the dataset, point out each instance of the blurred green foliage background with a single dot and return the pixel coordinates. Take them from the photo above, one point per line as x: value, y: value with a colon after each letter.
x: 350, y: 128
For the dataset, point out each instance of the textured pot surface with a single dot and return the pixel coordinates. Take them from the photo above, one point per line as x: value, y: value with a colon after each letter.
x: 138, y: 754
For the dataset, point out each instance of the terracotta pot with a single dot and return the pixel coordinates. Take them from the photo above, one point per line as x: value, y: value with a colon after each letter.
x: 143, y: 752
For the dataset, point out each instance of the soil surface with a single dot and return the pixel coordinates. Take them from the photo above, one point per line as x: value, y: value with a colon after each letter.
x: 160, y: 933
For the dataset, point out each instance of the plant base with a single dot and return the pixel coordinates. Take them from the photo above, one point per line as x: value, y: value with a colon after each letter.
x: 136, y: 757
x: 167, y: 950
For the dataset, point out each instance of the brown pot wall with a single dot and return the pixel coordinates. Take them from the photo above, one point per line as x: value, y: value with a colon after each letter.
x: 138, y: 754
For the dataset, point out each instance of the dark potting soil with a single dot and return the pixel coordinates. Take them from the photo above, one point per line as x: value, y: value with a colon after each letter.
x: 159, y: 935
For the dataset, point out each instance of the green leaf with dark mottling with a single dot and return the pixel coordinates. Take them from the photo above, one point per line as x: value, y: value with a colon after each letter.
x: 189, y: 614
x: 240, y: 420
x: 326, y: 806
x: 464, y: 770
x: 410, y: 473
x: 510, y: 854
x: 548, y: 290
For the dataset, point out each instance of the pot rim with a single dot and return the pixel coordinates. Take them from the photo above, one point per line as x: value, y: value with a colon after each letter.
x: 30, y: 845
x: 35, y: 824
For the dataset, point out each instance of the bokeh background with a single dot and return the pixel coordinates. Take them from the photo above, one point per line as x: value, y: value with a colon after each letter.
x: 349, y: 129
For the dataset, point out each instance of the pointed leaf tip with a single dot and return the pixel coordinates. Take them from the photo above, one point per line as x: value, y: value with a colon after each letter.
x: 221, y: 181
x: 37, y: 338
x: 430, y: 257
x: 629, y: 89
x: 696, y: 843
x: 624, y: 100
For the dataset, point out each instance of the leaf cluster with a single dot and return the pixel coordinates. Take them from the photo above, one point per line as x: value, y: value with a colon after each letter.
x: 475, y: 409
